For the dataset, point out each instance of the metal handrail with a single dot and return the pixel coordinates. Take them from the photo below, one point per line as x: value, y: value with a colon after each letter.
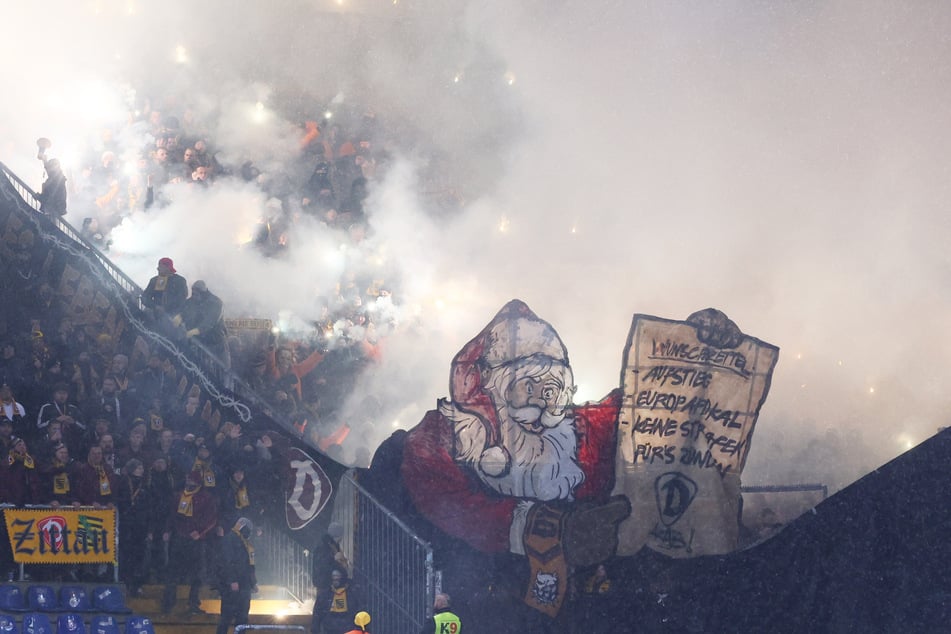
x: 390, y: 515
x: 372, y: 535
x: 30, y: 197
x: 786, y: 488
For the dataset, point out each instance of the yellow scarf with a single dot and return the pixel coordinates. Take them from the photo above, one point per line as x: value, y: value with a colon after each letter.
x: 339, y: 601
x: 247, y: 545
x: 26, y: 459
x: 207, y: 473
x: 185, y: 505
x: 241, y: 499
x: 60, y: 479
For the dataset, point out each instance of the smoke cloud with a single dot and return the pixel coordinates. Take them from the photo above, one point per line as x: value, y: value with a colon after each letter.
x: 783, y: 162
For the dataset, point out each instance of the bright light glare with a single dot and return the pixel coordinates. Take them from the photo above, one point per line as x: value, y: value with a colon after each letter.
x: 504, y: 224
x: 260, y: 114
x: 181, y: 54
x: 95, y: 101
x: 510, y: 78
x: 334, y: 258
x: 905, y: 441
x: 328, y: 115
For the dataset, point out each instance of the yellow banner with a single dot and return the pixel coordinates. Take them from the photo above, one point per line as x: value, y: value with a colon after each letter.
x: 63, y: 535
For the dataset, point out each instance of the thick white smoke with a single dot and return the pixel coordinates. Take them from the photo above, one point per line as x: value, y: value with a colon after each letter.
x: 784, y: 162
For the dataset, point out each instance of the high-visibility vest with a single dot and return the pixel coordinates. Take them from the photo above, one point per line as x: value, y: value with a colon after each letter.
x: 447, y: 623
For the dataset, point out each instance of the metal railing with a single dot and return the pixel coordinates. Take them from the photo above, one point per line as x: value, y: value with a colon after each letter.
x: 788, y: 488
x: 282, y: 562
x: 390, y: 562
x: 268, y: 628
x: 29, y: 196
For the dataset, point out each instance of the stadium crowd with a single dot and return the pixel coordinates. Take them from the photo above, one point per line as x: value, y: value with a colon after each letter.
x: 91, y: 420
x: 82, y: 425
x: 306, y: 376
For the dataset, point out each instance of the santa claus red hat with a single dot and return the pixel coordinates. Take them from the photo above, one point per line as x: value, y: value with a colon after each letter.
x: 515, y: 333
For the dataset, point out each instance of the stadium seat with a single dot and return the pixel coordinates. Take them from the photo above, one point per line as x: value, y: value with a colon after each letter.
x: 139, y: 625
x: 41, y: 599
x: 70, y: 623
x: 74, y: 599
x: 12, y: 599
x: 37, y: 623
x: 8, y: 625
x: 109, y: 599
x: 104, y: 624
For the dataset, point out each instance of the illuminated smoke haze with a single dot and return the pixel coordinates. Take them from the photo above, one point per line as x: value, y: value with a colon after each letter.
x: 784, y: 162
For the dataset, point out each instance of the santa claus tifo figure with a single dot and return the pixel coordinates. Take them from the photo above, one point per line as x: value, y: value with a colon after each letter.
x: 536, y: 458
x: 508, y: 464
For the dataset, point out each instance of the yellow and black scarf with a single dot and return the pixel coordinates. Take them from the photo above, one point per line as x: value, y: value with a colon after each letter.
x: 207, y: 473
x: 248, y: 546
x: 185, y: 504
x: 25, y: 458
x: 241, y: 499
x: 338, y: 603
x: 60, y: 478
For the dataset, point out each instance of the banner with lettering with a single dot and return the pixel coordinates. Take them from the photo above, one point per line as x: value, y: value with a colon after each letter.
x: 62, y: 536
x: 690, y: 405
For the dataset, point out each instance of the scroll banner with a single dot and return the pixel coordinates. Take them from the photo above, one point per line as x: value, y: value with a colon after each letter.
x: 684, y: 432
x: 62, y: 536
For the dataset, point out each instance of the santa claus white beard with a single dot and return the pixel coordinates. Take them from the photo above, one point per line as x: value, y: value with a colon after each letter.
x: 537, y: 465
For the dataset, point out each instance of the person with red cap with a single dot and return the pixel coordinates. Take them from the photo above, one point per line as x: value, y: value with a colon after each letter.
x: 166, y: 292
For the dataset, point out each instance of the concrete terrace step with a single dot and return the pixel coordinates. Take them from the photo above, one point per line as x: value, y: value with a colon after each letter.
x: 272, y: 609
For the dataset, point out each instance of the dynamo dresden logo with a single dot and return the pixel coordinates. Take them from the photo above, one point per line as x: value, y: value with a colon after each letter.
x: 51, y: 528
x: 307, y: 490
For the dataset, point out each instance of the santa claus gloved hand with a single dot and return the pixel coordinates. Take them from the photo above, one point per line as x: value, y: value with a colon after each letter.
x: 590, y: 531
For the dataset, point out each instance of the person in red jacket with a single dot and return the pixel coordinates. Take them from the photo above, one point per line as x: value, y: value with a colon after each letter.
x: 95, y: 482
x: 191, y: 525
